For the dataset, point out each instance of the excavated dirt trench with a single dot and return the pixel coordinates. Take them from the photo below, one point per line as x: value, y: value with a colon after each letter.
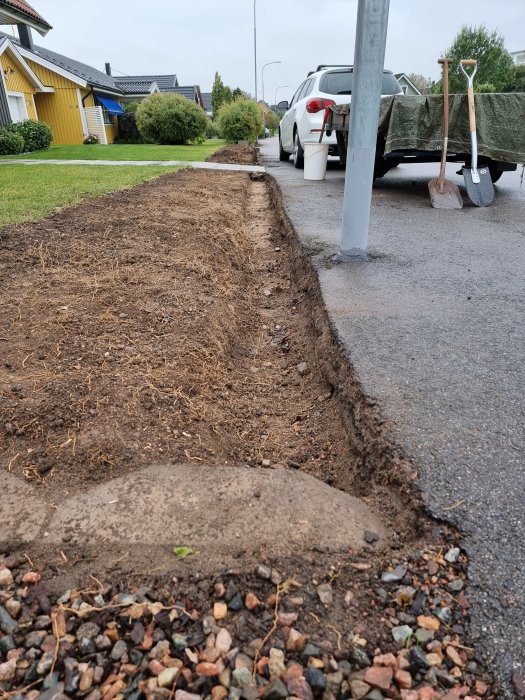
x: 180, y: 321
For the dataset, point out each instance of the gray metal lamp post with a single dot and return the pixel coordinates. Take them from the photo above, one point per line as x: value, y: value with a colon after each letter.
x: 264, y: 107
x: 372, y: 24
x: 255, y: 44
x: 277, y: 90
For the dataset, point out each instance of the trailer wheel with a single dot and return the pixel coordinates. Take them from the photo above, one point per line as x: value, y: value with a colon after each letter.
x: 495, y: 172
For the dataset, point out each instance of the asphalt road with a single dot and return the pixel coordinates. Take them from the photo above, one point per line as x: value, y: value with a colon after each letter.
x: 434, y: 327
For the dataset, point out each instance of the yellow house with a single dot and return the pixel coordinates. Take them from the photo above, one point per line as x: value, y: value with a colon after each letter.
x: 73, y: 102
x: 35, y: 83
x: 74, y: 98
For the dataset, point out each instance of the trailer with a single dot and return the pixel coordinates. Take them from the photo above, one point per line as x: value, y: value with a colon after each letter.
x: 410, y: 131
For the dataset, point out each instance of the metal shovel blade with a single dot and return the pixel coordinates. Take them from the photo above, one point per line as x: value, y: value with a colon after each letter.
x: 444, y: 194
x: 480, y: 193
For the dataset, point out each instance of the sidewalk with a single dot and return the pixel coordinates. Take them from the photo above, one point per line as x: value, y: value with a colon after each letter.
x: 201, y: 165
x: 433, y: 326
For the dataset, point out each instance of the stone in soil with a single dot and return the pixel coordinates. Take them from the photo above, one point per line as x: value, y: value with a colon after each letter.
x: 395, y: 575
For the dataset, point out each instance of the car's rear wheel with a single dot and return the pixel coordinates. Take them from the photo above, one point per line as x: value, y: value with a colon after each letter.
x: 283, y: 155
x: 298, y: 153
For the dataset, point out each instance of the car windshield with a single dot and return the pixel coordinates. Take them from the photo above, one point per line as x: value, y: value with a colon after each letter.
x: 340, y: 83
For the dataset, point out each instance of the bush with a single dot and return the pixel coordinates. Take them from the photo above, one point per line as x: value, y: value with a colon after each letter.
x: 169, y: 118
x: 239, y: 120
x: 131, y: 107
x: 211, y: 130
x: 90, y: 140
x: 37, y: 135
x: 11, y: 143
x: 127, y: 128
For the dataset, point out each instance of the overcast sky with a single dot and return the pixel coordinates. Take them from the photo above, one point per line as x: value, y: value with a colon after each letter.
x: 195, y: 38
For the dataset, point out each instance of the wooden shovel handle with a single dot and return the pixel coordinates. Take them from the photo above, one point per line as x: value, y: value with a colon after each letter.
x: 470, y: 94
x: 445, y: 63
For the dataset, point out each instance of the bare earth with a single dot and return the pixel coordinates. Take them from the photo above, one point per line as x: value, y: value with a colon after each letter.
x: 180, y: 324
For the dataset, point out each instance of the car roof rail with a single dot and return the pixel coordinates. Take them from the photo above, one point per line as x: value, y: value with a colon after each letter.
x: 332, y: 65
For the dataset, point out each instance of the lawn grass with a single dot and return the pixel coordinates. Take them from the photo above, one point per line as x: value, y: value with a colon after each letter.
x: 142, y: 151
x: 31, y: 192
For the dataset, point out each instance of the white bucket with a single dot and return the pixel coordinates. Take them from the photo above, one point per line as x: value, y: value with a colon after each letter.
x: 315, y: 160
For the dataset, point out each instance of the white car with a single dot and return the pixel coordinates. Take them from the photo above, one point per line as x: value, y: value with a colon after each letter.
x: 303, y: 121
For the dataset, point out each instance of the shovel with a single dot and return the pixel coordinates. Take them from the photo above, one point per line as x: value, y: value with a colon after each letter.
x: 478, y: 182
x: 444, y: 194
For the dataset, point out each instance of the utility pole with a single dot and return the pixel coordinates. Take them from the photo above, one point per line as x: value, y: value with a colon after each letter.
x: 369, y: 59
x: 255, y: 44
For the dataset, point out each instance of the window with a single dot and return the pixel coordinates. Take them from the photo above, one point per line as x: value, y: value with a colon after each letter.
x: 307, y: 89
x: 296, y: 96
x: 340, y: 83
x: 108, y: 118
x: 17, y: 106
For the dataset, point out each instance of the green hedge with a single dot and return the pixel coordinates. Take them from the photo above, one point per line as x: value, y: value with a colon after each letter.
x: 239, y: 120
x: 171, y: 119
x: 11, y: 144
x: 37, y: 136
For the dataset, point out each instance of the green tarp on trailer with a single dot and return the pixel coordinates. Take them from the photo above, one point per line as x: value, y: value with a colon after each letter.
x: 415, y: 123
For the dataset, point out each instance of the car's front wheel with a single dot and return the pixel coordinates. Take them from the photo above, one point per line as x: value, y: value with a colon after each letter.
x: 283, y: 155
x: 298, y: 153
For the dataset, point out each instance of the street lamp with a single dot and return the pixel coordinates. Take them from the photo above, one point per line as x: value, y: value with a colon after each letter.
x: 264, y: 107
x: 277, y: 90
x: 255, y: 44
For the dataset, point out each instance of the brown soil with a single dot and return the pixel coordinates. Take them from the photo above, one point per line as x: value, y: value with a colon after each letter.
x: 241, y: 155
x: 167, y: 323
x: 173, y: 334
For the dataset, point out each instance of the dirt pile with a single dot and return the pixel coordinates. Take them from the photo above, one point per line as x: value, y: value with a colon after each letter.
x: 240, y: 155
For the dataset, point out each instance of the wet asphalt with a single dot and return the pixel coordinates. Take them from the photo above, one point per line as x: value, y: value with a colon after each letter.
x: 434, y: 327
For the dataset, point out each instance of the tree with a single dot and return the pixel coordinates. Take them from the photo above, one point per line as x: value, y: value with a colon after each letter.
x: 220, y: 93
x: 171, y: 119
x: 423, y: 84
x: 240, y: 93
x: 518, y: 82
x: 495, y: 66
x: 239, y: 120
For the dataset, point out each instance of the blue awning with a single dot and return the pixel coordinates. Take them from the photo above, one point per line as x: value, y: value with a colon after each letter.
x: 112, y: 106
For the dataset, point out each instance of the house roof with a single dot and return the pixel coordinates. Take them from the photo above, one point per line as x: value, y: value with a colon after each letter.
x: 123, y: 85
x: 86, y: 73
x: 192, y: 92
x: 188, y: 91
x: 163, y: 81
x: 138, y: 88
x: 6, y: 45
x: 19, y: 11
x: 399, y: 76
x: 82, y: 70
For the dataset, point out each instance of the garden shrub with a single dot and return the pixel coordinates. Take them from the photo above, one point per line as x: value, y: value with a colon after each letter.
x: 169, y: 118
x: 211, y: 130
x: 127, y: 128
x: 37, y: 135
x: 11, y: 143
x: 239, y: 120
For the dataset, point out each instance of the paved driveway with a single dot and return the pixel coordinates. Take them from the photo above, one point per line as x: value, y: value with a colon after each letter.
x: 434, y: 327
